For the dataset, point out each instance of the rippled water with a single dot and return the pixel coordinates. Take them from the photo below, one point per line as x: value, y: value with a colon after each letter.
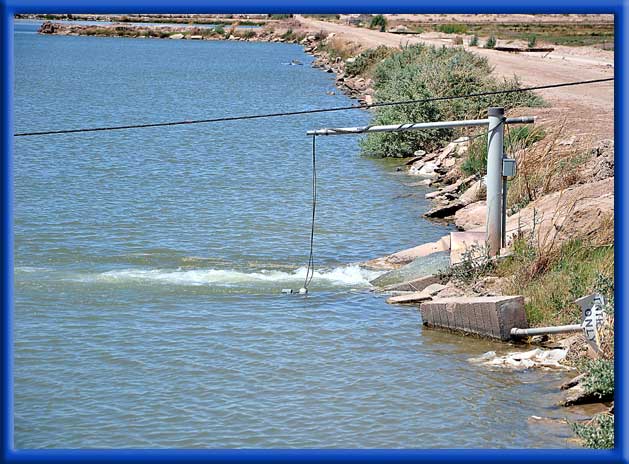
x: 149, y: 265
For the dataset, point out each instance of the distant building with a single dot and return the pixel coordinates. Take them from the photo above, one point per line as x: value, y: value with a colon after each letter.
x: 356, y: 19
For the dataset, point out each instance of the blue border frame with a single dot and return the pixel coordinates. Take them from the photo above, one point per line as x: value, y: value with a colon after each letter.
x: 10, y: 7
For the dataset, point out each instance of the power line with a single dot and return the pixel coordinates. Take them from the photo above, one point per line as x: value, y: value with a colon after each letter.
x: 312, y: 111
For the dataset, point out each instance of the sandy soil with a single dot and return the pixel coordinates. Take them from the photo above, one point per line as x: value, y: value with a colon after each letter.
x: 587, y: 109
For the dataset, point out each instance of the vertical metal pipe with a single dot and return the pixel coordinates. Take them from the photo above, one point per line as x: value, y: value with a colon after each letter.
x: 503, y: 222
x: 495, y: 149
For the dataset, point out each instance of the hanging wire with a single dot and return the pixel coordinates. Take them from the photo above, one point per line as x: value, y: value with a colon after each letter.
x: 310, y: 266
x: 317, y: 110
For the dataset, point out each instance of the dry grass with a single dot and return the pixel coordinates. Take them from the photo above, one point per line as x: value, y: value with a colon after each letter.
x: 338, y: 47
x: 544, y: 166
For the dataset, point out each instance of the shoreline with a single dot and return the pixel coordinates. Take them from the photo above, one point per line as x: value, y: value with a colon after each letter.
x: 455, y: 193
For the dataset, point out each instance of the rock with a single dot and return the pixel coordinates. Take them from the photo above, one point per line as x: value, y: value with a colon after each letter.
x: 413, y: 160
x: 417, y: 297
x: 527, y: 359
x: 578, y: 395
x: 176, y: 36
x: 49, y: 28
x: 578, y: 211
x: 572, y: 382
x: 475, y: 192
x: 472, y: 216
x: 444, y: 210
x: 196, y: 37
x: 428, y: 170
x: 419, y: 153
x: 401, y: 258
x: 449, y: 162
x: 450, y: 291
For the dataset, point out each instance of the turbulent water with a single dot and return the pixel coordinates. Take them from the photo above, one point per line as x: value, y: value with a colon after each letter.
x: 149, y: 265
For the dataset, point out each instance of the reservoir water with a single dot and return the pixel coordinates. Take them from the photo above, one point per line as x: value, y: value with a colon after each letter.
x: 149, y: 265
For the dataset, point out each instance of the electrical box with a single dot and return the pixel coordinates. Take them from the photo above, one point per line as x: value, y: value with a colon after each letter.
x: 508, y: 167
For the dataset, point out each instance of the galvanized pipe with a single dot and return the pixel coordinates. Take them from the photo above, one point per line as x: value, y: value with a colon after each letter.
x: 495, y: 150
x: 547, y: 330
x: 418, y: 126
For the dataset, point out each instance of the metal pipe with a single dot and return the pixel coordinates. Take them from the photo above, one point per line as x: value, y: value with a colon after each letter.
x: 547, y: 330
x: 503, y: 215
x: 417, y: 126
x: 495, y: 150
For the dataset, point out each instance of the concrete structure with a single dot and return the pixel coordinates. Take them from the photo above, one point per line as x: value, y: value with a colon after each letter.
x: 487, y: 316
x: 415, y: 285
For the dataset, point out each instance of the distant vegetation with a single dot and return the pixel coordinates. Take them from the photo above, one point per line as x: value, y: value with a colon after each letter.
x: 452, y: 28
x: 491, y: 42
x: 421, y: 71
x: 378, y: 22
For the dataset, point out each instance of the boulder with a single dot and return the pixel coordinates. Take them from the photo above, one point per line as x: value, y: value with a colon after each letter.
x: 474, y: 192
x: 399, y: 259
x: 472, y: 216
x: 444, y: 210
x: 176, y: 36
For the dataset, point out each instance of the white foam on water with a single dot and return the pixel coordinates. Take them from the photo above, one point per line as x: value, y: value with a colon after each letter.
x: 352, y: 275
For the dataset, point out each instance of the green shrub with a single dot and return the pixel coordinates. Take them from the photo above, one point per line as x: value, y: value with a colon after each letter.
x: 378, y: 21
x: 220, y: 30
x: 452, y: 28
x: 491, y: 42
x: 367, y: 60
x: 421, y: 72
x: 532, y: 41
x: 599, y: 379
x: 280, y: 16
x: 599, y: 433
x: 474, y: 41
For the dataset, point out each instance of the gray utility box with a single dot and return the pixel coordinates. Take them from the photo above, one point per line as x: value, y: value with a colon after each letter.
x: 508, y: 167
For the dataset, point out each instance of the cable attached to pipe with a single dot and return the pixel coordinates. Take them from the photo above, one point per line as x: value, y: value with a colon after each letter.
x: 310, y: 266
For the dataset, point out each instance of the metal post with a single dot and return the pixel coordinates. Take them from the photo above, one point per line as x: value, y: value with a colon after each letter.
x: 503, y: 215
x: 495, y: 149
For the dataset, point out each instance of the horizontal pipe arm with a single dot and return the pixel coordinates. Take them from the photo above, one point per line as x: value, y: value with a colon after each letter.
x: 417, y: 126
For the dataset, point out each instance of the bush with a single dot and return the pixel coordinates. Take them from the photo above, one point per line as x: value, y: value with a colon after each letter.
x: 458, y: 40
x: 491, y: 42
x: 532, y: 41
x: 378, y: 21
x: 598, y: 433
x: 220, y: 30
x: 474, y: 41
x: 599, y: 379
x: 367, y: 60
x: 452, y: 28
x: 422, y: 71
x: 280, y: 16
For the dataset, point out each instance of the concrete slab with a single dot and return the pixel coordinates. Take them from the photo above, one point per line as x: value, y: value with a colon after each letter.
x: 487, y: 316
x: 417, y: 297
x: 415, y: 285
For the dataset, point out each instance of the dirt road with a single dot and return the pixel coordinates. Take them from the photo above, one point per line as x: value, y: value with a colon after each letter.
x: 587, y: 109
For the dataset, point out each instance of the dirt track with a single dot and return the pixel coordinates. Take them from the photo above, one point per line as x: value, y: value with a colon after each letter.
x: 588, y: 109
